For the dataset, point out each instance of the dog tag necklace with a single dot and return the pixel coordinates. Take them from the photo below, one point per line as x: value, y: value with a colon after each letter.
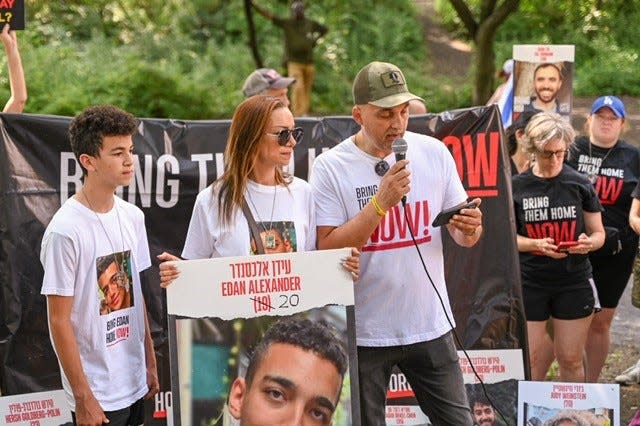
x: 269, y: 238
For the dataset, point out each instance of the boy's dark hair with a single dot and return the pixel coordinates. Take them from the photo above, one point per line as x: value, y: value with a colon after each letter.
x: 306, y: 334
x: 89, y: 127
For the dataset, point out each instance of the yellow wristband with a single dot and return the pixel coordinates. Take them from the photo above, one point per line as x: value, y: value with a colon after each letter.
x: 379, y: 210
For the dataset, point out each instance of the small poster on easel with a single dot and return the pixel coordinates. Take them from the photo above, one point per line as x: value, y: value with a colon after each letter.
x: 541, y: 403
x: 498, y: 369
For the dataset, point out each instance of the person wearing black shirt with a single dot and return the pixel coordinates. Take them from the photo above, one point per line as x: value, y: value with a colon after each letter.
x: 613, y: 167
x: 555, y: 206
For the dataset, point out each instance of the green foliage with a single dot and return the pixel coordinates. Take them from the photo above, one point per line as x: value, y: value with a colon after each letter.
x: 604, y: 33
x: 170, y: 58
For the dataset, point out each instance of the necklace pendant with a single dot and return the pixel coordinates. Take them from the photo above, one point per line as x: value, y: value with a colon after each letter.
x: 269, y: 241
x: 381, y: 168
x: 592, y: 178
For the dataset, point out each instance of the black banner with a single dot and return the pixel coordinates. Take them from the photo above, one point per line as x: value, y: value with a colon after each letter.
x: 176, y: 159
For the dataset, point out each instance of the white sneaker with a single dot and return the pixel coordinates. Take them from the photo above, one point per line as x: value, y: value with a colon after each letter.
x: 629, y: 376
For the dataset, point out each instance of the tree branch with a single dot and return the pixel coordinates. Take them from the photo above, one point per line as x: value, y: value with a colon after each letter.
x: 466, y: 17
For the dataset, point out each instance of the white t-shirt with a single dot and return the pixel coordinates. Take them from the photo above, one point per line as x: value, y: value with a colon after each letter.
x: 291, y: 213
x: 395, y: 302
x: 109, y: 332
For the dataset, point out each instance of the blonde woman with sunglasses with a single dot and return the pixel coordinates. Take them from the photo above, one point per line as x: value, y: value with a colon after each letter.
x: 558, y: 220
x: 260, y: 144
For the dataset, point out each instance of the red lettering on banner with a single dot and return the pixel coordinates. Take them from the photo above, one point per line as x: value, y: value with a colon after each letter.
x: 608, y: 189
x: 479, y: 160
x: 394, y: 231
x: 6, y: 4
x: 559, y: 231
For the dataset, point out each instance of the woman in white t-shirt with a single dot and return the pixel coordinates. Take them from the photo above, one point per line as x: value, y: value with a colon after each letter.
x: 260, y: 144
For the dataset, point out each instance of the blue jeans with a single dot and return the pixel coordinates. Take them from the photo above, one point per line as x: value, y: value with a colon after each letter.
x: 433, y: 372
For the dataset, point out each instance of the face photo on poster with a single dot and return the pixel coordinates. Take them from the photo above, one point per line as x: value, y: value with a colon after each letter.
x: 499, y: 369
x: 214, y: 354
x: 543, y: 79
x: 114, y: 282
x: 232, y: 358
x: 277, y: 237
x: 568, y: 404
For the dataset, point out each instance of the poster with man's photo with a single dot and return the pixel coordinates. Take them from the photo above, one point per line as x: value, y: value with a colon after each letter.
x: 114, y: 282
x: 252, y: 338
x: 558, y: 403
x: 491, y: 381
x: 543, y: 79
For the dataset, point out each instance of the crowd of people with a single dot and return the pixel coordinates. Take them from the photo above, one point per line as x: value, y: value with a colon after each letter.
x: 574, y: 269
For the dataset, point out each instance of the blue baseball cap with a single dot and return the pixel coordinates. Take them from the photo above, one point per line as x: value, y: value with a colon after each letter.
x: 612, y: 102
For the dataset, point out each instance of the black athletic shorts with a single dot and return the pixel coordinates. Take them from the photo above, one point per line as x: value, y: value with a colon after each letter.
x: 132, y: 415
x: 611, y: 273
x: 565, y: 303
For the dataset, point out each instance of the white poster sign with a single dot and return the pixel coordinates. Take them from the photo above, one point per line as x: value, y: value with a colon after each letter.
x: 41, y: 408
x: 590, y: 403
x: 543, y: 79
x: 252, y: 286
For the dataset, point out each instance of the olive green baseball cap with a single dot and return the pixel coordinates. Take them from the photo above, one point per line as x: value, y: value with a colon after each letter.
x: 381, y: 84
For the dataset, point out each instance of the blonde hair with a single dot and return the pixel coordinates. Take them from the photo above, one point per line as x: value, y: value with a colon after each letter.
x: 545, y: 127
x: 248, y: 124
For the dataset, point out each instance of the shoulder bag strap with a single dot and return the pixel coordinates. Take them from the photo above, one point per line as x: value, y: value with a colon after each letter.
x: 253, y: 227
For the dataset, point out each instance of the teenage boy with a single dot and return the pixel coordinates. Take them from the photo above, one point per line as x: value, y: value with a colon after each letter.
x: 106, y: 356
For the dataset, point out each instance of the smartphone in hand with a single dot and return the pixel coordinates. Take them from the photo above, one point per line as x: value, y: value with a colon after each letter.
x: 563, y: 246
x: 445, y: 215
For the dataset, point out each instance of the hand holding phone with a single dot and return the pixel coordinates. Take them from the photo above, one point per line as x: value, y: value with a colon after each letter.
x: 445, y: 215
x: 563, y: 246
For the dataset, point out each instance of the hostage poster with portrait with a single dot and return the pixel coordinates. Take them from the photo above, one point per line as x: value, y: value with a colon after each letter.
x: 543, y: 79
x: 220, y: 310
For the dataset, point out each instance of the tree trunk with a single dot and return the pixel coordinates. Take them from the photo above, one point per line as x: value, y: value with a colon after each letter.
x: 485, y: 65
x: 253, y: 42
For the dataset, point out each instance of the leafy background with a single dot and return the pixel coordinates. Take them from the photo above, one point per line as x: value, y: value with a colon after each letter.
x: 188, y: 59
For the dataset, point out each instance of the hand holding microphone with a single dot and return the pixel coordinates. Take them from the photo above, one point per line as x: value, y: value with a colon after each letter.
x: 395, y: 183
x: 399, y: 148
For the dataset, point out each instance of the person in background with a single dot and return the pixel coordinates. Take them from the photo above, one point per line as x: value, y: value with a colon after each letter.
x: 268, y: 82
x: 553, y: 205
x: 504, y: 74
x: 613, y: 168
x: 520, y: 159
x: 18, y: 98
x: 301, y: 35
x: 417, y: 107
x: 631, y: 375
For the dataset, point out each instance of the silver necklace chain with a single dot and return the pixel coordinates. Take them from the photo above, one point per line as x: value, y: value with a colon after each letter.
x: 593, y: 176
x: 269, y: 239
x: 113, y: 247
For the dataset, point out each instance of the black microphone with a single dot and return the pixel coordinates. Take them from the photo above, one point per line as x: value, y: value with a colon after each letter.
x: 399, y: 148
